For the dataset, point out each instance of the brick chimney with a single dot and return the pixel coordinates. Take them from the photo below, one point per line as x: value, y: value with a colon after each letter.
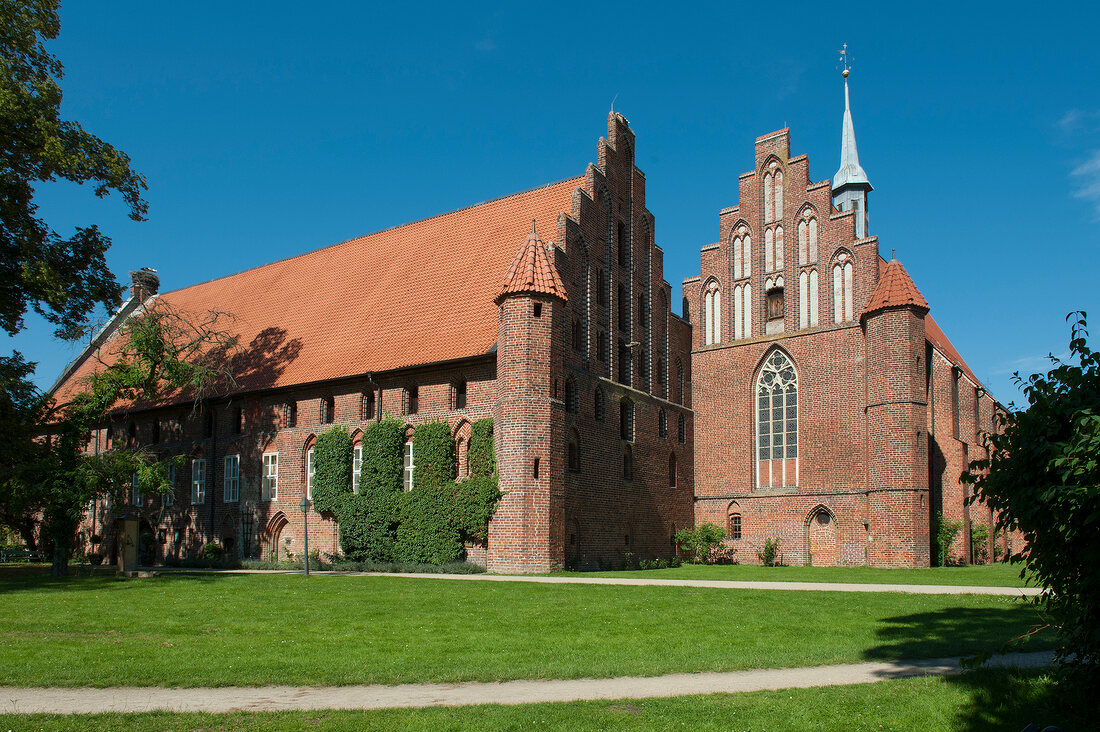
x: 144, y: 283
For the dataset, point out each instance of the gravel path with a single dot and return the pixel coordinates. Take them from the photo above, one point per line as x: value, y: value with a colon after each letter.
x: 283, y: 698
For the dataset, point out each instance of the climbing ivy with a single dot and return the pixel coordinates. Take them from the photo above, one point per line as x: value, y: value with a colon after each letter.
x: 332, y: 460
x: 482, y: 455
x: 368, y: 521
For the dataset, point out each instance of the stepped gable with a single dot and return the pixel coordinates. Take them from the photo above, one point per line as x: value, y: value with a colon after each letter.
x: 895, y: 288
x: 532, y: 272
x: 415, y: 294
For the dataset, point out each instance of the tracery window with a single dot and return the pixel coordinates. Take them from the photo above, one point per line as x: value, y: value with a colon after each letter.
x: 777, y: 422
x: 843, y: 289
x: 712, y: 315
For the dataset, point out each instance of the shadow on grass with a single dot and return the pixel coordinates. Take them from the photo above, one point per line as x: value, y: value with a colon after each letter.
x: 1004, y: 699
x: 956, y: 631
x: 81, y: 577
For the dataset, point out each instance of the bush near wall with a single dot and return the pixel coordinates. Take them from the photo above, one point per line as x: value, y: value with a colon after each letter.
x: 383, y: 523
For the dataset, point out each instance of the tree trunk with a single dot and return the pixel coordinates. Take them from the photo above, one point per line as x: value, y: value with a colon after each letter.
x: 26, y: 532
x: 60, y: 566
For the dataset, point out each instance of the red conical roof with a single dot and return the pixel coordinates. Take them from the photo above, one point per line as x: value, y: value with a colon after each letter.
x: 895, y: 289
x: 532, y: 272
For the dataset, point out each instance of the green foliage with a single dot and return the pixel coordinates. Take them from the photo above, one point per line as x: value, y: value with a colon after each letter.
x: 332, y: 460
x: 1042, y: 478
x: 61, y: 279
x: 428, y: 532
x: 434, y: 451
x: 211, y: 551
x: 944, y: 533
x: 368, y: 525
x: 769, y: 553
x: 482, y: 454
x: 475, y: 502
x: 701, y: 542
x: 979, y: 542
x: 383, y: 453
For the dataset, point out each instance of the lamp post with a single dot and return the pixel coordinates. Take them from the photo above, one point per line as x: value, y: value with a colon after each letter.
x: 304, y: 505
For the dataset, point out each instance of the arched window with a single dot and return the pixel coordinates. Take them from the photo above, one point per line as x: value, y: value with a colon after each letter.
x: 600, y: 405
x: 624, y: 363
x: 777, y: 422
x: 777, y: 180
x: 742, y: 253
x: 769, y: 250
x: 742, y: 311
x: 843, y: 289
x: 807, y: 238
x: 366, y: 405
x: 712, y: 315
x: 412, y: 400
x: 459, y: 394
x: 328, y: 409
x: 624, y: 245
x: 769, y: 198
x: 685, y: 310
x: 780, y: 247
x: 626, y: 420
x: 357, y: 461
x: 734, y: 523
x: 628, y: 463
x: 672, y: 470
x: 807, y: 299
x: 681, y: 430
x: 571, y: 395
x: 662, y: 423
x: 311, y: 466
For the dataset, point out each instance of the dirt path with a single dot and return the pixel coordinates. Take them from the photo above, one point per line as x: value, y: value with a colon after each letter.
x: 646, y: 582
x: 283, y: 698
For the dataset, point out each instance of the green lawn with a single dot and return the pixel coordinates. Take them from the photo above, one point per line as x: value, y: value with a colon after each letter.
x: 217, y: 629
x: 986, y: 700
x: 996, y: 575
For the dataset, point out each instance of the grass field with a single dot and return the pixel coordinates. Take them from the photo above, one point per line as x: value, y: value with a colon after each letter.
x: 995, y: 575
x: 216, y: 629
x: 984, y: 700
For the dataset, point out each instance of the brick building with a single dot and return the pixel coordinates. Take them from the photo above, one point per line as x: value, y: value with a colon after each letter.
x: 564, y: 336
x: 831, y: 412
x: 816, y: 401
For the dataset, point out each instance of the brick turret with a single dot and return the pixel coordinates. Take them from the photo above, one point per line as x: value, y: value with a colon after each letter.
x: 527, y: 531
x: 897, y: 431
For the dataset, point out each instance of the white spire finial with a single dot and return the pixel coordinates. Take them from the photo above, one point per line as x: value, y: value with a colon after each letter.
x: 845, y: 60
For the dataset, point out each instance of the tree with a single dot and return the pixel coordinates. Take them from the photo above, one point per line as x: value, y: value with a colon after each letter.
x: 1042, y: 478
x: 60, y: 278
x: 701, y: 542
x: 22, y: 412
x: 159, y: 354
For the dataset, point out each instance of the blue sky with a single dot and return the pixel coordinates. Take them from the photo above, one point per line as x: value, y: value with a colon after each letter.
x: 267, y: 129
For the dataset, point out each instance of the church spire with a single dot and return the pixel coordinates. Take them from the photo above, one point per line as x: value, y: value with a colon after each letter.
x: 850, y: 184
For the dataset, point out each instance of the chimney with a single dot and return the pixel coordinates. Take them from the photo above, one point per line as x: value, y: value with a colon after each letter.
x: 145, y: 283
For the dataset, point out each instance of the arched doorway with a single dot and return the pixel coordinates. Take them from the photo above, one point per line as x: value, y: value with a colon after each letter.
x: 821, y: 537
x: 275, y: 531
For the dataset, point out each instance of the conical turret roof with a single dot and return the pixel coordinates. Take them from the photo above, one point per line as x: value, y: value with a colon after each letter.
x: 895, y: 288
x: 532, y: 272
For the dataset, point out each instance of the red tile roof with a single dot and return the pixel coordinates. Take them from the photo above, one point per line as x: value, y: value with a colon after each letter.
x: 415, y: 294
x: 941, y: 343
x: 895, y: 288
x: 532, y: 272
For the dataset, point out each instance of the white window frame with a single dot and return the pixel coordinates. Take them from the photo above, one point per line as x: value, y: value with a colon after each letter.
x: 198, y: 481
x: 409, y: 466
x: 136, y: 496
x: 231, y: 479
x: 269, y: 479
x: 311, y: 473
x: 356, y: 467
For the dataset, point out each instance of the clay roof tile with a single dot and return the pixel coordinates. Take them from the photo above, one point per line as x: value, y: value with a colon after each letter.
x: 532, y: 272
x: 895, y: 288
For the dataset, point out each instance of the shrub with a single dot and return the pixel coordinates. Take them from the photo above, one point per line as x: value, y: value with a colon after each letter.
x: 367, y: 526
x: 332, y: 461
x: 1042, y: 478
x: 701, y: 542
x: 212, y: 551
x: 475, y: 502
x: 943, y: 536
x: 769, y: 553
x: 979, y: 538
x: 383, y: 457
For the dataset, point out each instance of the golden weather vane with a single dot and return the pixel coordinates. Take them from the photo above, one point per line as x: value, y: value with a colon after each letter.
x: 845, y: 60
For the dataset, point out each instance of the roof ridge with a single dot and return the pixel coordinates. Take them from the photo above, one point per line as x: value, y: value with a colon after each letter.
x: 376, y: 232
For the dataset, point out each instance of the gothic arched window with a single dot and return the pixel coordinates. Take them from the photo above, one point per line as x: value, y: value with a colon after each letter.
x: 843, y: 289
x: 712, y: 315
x: 777, y: 422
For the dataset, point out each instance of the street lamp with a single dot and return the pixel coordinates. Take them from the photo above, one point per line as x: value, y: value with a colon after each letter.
x: 304, y: 505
